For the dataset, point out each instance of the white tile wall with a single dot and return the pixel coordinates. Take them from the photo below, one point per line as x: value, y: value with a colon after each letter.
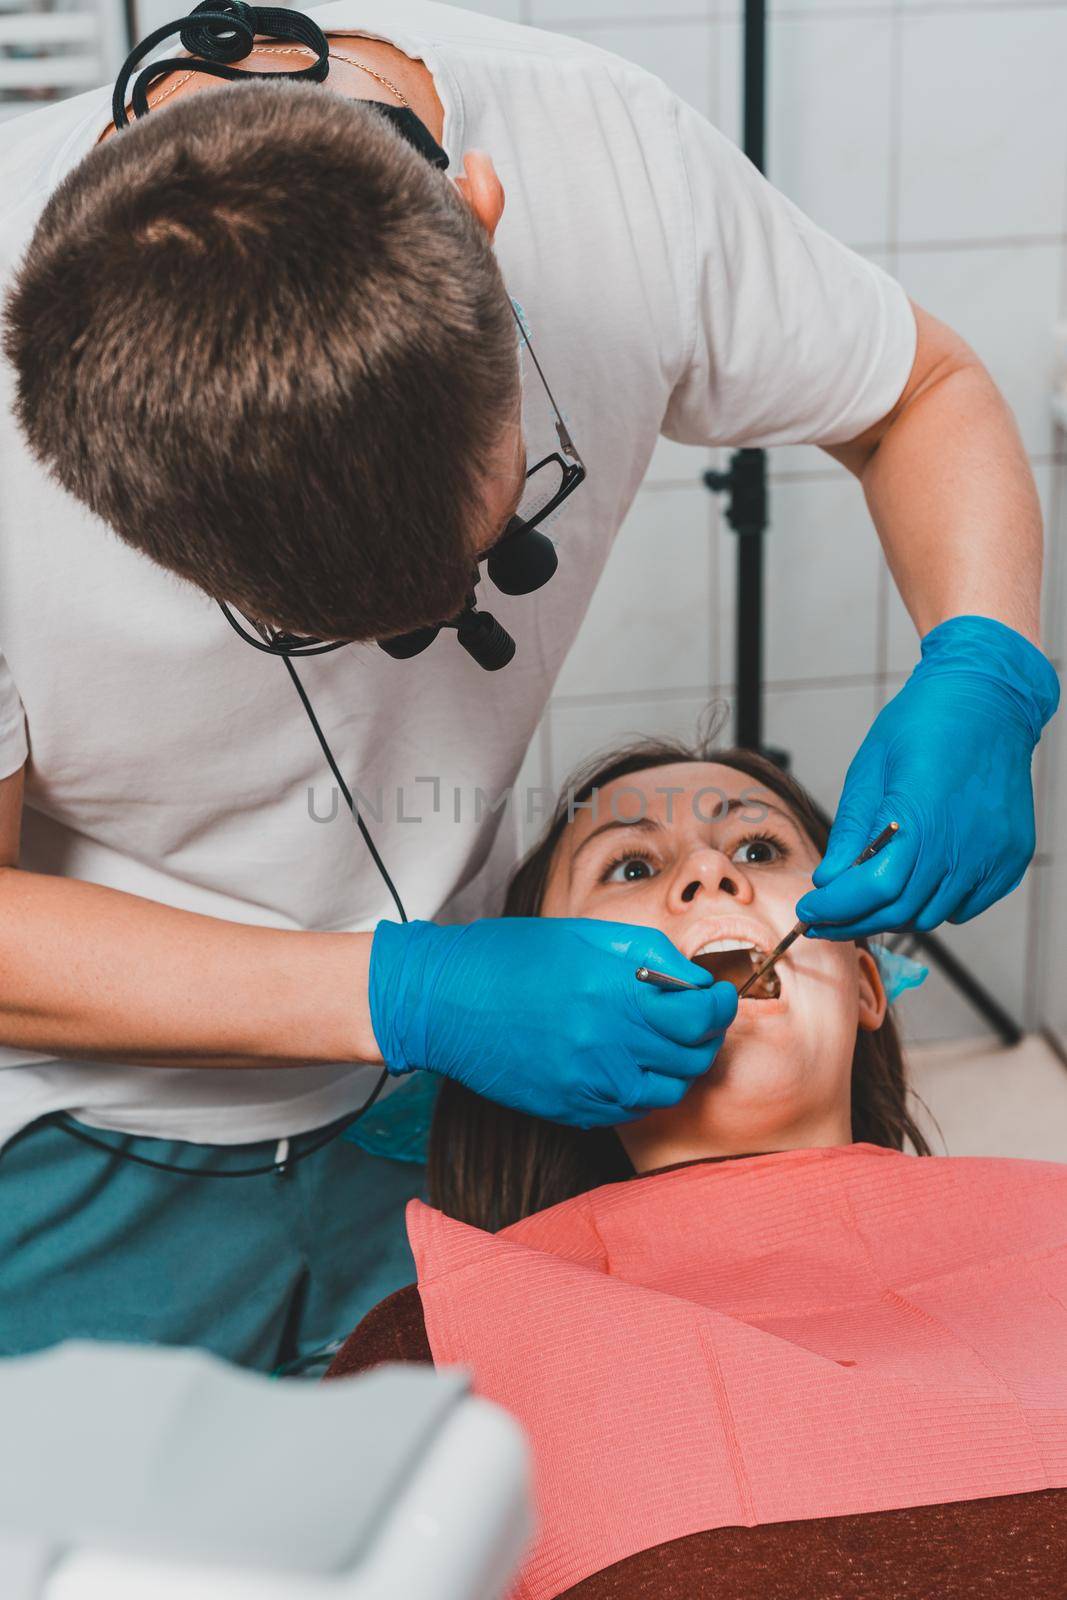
x: 37, y: 69
x: 901, y: 637
x: 995, y: 947
x: 678, y: 463
x: 983, y: 123
x: 506, y: 10
x: 561, y: 15
x: 821, y: 589
x: 821, y: 728
x: 829, y: 150
x: 578, y: 731
x: 803, y: 8
x: 1005, y: 301
x: 652, y: 620
x: 818, y: 547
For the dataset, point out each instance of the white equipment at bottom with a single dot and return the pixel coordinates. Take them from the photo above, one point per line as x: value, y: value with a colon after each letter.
x: 129, y: 1471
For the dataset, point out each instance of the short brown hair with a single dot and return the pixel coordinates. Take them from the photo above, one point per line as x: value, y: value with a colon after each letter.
x: 270, y: 345
x: 490, y: 1165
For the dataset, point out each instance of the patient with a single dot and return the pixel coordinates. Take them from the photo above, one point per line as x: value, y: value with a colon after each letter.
x: 720, y: 1337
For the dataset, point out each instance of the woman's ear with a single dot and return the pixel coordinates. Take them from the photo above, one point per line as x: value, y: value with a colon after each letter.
x: 482, y: 189
x: 873, y: 1000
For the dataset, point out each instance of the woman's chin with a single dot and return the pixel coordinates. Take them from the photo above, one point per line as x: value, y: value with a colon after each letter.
x: 769, y: 1081
x: 762, y: 1076
x: 732, y: 1110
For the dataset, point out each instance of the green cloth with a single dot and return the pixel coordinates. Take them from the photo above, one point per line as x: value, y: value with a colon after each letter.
x: 261, y: 1270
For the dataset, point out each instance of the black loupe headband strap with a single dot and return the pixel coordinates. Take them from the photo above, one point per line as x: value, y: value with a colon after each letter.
x: 226, y: 30
x: 221, y: 31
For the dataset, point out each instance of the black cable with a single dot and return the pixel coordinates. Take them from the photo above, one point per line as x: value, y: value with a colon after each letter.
x: 59, y: 1120
x: 328, y: 753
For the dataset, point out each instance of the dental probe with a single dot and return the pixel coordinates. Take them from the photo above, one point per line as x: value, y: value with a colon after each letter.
x: 664, y: 980
x: 802, y: 927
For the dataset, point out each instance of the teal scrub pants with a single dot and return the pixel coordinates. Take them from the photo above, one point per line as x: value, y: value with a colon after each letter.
x: 262, y: 1271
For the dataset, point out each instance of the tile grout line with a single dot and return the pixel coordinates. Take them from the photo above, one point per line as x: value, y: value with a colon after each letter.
x: 816, y: 12
x: 1000, y: 241
x: 828, y: 474
x: 598, y: 699
x: 896, y: 134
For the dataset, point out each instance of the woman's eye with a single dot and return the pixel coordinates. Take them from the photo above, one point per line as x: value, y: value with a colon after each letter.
x: 628, y: 869
x: 757, y: 852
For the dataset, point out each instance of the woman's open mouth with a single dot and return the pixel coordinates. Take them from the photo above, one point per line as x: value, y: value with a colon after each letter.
x: 734, y: 961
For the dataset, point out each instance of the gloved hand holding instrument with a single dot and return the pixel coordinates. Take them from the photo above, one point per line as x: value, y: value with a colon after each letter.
x: 949, y: 759
x: 544, y: 1014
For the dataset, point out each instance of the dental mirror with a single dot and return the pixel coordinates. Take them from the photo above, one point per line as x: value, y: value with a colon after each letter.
x: 736, y: 967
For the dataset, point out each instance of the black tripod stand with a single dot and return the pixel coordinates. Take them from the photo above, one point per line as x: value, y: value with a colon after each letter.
x: 745, y: 484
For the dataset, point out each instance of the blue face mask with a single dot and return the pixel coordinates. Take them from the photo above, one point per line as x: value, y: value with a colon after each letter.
x: 897, y: 972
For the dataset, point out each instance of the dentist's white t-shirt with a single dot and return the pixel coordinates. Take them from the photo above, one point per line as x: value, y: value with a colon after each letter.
x: 668, y: 289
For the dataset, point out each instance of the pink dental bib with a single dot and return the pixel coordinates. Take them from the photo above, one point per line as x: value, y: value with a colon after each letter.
x: 813, y: 1333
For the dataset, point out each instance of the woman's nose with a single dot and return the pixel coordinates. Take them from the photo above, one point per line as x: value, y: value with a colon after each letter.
x: 708, y: 872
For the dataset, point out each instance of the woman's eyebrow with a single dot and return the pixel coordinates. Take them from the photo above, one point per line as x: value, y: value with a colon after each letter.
x: 644, y: 824
x: 759, y: 804
x: 651, y: 825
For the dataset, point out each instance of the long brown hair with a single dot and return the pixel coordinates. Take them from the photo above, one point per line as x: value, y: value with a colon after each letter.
x: 490, y: 1165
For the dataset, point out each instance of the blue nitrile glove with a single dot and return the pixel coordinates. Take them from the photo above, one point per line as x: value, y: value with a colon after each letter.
x: 949, y: 759
x: 544, y: 1014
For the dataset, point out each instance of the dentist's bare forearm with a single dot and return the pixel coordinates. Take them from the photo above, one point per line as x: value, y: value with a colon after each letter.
x: 956, y: 508
x: 95, y: 973
x: 951, y: 492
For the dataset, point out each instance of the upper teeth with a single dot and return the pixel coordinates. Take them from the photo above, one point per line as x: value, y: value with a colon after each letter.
x: 714, y: 945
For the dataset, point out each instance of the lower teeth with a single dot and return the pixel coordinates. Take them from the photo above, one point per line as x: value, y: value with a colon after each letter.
x: 736, y: 967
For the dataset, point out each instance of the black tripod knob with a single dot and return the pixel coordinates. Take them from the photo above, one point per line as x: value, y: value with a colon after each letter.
x: 745, y: 481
